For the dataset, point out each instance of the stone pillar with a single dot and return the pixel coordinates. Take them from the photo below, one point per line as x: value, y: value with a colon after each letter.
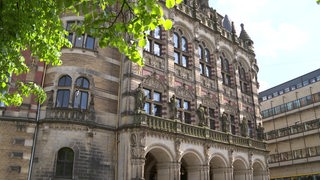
x: 195, y: 172
x: 205, y: 172
x: 175, y: 171
x: 167, y: 171
x: 137, y: 169
x: 243, y: 174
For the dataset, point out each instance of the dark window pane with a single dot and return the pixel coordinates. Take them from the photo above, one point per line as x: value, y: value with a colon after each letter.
x: 64, y: 166
x: 207, y: 71
x: 157, y: 110
x: 78, y: 41
x: 90, y: 42
x: 70, y: 37
x: 84, y: 100
x: 64, y: 81
x: 187, y: 118
x: 62, y: 98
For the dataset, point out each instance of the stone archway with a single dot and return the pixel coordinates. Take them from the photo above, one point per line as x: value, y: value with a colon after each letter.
x: 259, y: 173
x: 218, y: 169
x: 191, y: 167
x: 158, y: 165
x: 240, y: 170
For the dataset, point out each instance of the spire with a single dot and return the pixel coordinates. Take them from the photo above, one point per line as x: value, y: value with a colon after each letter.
x: 226, y: 23
x: 244, y: 35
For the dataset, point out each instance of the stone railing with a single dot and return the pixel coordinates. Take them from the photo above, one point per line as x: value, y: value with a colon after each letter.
x: 176, y: 126
x: 294, y: 129
x: 69, y: 114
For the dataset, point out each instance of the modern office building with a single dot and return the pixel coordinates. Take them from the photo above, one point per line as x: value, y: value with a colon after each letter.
x: 191, y: 112
x: 291, y: 122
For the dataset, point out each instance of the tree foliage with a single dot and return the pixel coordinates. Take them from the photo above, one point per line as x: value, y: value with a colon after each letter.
x: 36, y: 26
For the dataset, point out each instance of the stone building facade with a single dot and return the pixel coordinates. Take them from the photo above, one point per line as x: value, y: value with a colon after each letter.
x: 290, y: 114
x: 191, y: 112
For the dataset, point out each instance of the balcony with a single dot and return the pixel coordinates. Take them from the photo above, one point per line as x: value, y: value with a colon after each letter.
x: 70, y: 114
x: 204, y: 133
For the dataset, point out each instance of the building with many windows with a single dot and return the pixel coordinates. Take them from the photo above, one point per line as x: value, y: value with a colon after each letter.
x: 192, y: 112
x: 291, y: 114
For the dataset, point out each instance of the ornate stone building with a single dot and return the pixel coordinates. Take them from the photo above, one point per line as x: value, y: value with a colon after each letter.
x: 290, y: 114
x: 191, y: 112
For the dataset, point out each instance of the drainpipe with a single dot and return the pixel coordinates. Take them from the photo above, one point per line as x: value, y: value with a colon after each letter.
x: 35, y: 135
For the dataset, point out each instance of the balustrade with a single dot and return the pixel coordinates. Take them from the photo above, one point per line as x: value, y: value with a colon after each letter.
x: 176, y: 126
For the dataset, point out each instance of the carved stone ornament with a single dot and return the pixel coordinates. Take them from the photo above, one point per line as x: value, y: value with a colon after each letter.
x: 185, y: 92
x: 153, y: 81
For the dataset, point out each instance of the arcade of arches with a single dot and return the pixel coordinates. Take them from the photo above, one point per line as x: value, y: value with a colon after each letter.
x: 178, y: 160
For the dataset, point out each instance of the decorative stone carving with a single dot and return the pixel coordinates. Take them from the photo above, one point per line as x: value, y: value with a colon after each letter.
x: 177, y: 145
x: 202, y: 116
x: 140, y: 99
x: 244, y: 127
x: 173, y: 107
x: 225, y: 123
x: 260, y: 132
x: 184, y: 92
x: 153, y: 81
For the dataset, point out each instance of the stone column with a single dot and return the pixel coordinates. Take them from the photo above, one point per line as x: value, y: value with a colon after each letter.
x: 205, y: 172
x: 167, y: 171
x: 137, y: 169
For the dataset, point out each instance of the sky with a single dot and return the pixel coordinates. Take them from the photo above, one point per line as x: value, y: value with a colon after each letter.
x: 286, y: 35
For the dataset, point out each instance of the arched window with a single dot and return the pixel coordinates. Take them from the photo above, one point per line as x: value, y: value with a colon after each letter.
x: 81, y: 94
x: 154, y: 42
x: 244, y: 81
x: 64, y: 166
x: 204, y: 61
x: 225, y: 70
x: 63, y: 93
x: 181, y: 54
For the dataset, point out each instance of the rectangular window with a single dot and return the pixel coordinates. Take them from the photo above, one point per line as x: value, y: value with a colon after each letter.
x: 186, y: 105
x: 306, y: 82
x: 184, y: 62
x: 286, y: 89
x: 19, y: 141
x: 157, y: 49
x: 176, y: 57
x: 299, y: 85
x: 89, y: 42
x: 17, y: 154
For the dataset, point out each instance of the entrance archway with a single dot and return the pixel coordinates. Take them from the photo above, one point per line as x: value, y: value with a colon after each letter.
x: 218, y: 168
x: 258, y: 171
x: 157, y: 165
x: 190, y: 167
x: 240, y: 170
